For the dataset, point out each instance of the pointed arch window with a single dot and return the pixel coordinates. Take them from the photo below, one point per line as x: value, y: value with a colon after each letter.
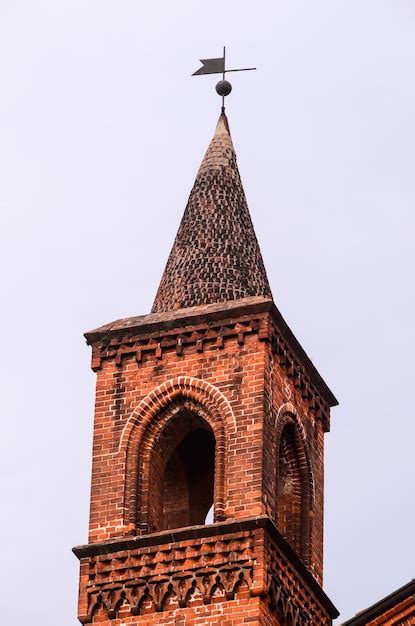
x: 182, y: 473
x: 294, y: 485
x: 290, y: 496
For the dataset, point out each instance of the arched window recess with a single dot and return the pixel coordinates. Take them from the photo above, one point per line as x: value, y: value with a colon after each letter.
x: 294, y: 486
x: 182, y: 481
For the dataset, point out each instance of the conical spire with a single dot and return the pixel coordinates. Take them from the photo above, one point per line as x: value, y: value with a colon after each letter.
x: 215, y: 256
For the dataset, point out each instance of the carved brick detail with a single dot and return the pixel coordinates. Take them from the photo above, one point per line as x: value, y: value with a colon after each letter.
x: 146, y: 422
x: 123, y: 344
x: 160, y: 579
x: 296, y: 371
x: 227, y: 561
x: 130, y: 343
x: 291, y: 602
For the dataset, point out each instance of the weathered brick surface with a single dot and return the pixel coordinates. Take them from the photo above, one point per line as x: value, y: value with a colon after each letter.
x: 298, y: 511
x: 207, y: 402
x: 218, y: 564
x: 236, y: 375
x: 401, y: 615
x: 215, y: 256
x: 236, y: 612
x: 228, y: 379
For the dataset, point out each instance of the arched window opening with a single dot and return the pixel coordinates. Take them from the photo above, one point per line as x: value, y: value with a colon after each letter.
x: 182, y: 475
x: 189, y: 480
x: 290, y: 500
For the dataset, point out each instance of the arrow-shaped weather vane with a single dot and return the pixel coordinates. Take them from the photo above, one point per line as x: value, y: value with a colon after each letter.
x: 218, y: 66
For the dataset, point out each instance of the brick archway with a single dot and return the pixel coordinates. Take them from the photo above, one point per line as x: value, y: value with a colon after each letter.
x: 146, y: 423
x: 288, y: 417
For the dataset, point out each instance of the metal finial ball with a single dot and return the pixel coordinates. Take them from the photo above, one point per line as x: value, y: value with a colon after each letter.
x: 223, y: 88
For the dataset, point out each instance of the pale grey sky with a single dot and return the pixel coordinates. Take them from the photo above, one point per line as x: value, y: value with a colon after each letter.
x: 102, y: 131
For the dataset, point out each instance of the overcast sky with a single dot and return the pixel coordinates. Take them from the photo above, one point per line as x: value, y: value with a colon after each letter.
x: 101, y: 133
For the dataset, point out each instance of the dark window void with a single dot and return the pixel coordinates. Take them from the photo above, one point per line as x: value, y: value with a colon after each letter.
x: 188, y: 481
x: 289, y: 490
x: 183, y: 474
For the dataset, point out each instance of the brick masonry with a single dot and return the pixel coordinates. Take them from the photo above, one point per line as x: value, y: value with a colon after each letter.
x: 246, y: 568
x: 215, y: 256
x: 246, y: 379
x: 208, y: 403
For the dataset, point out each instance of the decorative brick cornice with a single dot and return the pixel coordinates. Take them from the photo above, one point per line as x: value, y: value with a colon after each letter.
x: 207, y: 328
x: 305, y: 385
x: 156, y: 344
x: 172, y: 569
x: 183, y: 386
x: 180, y: 317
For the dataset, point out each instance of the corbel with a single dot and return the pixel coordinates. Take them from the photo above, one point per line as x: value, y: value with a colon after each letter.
x: 179, y: 346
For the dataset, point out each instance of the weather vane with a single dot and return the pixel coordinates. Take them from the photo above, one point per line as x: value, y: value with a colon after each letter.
x: 218, y: 66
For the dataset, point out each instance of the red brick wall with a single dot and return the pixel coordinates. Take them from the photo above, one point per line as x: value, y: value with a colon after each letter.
x: 236, y: 385
x: 237, y: 372
x: 287, y: 408
x: 244, y: 610
x: 250, y: 380
x: 289, y: 500
x: 189, y: 571
x: 403, y: 614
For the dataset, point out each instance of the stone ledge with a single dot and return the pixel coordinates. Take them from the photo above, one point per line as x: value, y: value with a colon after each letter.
x: 181, y: 317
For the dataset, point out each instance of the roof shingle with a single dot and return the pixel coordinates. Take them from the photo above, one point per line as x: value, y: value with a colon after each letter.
x: 215, y: 256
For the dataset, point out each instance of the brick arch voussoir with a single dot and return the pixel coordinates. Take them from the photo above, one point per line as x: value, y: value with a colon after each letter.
x: 151, y: 434
x: 287, y: 414
x: 157, y: 399
x: 150, y: 417
x: 145, y: 448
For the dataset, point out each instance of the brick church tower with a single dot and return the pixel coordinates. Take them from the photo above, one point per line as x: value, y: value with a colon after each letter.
x: 207, y: 476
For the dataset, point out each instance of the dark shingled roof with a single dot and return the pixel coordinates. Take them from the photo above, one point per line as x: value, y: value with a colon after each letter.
x: 215, y: 256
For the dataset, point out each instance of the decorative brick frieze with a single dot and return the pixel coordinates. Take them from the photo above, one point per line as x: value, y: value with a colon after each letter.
x: 210, y: 327
x: 157, y: 344
x: 199, y: 566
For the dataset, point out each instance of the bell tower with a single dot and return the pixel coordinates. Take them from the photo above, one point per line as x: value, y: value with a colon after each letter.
x: 207, y: 472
